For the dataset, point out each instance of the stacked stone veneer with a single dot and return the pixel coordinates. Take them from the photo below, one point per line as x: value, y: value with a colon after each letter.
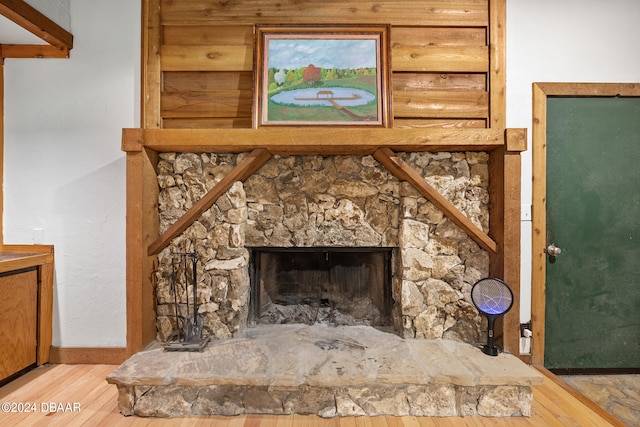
x: 343, y: 201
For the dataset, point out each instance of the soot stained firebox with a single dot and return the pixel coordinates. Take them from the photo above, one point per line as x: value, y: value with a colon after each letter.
x: 336, y: 286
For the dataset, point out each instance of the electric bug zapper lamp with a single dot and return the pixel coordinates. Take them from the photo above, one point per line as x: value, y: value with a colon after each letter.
x: 493, y: 298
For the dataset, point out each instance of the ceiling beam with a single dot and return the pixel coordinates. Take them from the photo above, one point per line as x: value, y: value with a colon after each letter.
x: 36, y: 23
x: 31, y: 51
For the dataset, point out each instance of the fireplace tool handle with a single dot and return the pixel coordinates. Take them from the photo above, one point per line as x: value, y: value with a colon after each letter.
x: 192, y: 324
x: 174, y: 290
x: 197, y: 319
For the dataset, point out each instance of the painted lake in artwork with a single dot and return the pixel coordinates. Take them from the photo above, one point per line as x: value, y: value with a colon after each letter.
x: 344, y: 96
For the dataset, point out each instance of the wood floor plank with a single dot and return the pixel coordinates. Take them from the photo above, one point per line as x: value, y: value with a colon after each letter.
x: 238, y: 421
x: 114, y: 419
x: 58, y: 375
x: 269, y: 421
x: 331, y: 422
x: 546, y: 417
x: 574, y: 412
x: 380, y: 421
x: 345, y: 422
x: 476, y: 422
x: 27, y: 378
x: 101, y: 403
x: 252, y: 420
x: 316, y: 421
x: 298, y: 420
x: 285, y: 421
x: 410, y: 421
x: 440, y: 422
x: 363, y: 421
x: 103, y: 415
x: 42, y: 392
x: 393, y: 421
x: 90, y: 389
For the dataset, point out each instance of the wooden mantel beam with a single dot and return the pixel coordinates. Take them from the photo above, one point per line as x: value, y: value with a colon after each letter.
x: 241, y: 172
x: 316, y: 140
x: 36, y: 23
x: 404, y: 172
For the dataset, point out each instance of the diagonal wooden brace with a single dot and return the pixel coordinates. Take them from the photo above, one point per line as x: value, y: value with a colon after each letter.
x: 404, y: 172
x: 241, y: 172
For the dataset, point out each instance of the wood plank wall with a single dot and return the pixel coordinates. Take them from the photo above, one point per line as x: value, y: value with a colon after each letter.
x: 200, y: 58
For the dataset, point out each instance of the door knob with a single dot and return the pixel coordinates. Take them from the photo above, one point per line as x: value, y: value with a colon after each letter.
x: 552, y: 250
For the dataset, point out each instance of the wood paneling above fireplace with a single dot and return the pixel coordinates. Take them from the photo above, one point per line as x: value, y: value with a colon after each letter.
x: 200, y: 58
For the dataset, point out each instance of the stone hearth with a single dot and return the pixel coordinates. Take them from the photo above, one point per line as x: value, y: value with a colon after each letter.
x: 328, y: 371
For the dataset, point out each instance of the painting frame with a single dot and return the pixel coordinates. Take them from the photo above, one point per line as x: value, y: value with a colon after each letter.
x: 349, y: 86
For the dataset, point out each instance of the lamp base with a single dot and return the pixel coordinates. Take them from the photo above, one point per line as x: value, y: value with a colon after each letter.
x: 491, y: 351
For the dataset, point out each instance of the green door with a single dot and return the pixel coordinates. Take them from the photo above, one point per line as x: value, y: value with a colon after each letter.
x: 592, y: 301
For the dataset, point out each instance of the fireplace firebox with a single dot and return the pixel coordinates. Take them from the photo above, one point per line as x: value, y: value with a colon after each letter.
x: 327, y: 285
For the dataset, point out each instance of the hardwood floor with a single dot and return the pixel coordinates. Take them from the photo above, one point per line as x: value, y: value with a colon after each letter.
x: 78, y: 395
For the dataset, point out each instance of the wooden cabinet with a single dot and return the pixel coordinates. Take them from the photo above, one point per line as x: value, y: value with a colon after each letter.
x: 26, y: 307
x: 18, y: 320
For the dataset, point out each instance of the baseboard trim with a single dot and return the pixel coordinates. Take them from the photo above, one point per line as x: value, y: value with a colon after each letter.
x: 88, y: 355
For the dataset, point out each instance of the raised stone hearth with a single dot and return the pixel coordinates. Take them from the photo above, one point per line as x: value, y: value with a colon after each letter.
x: 328, y: 371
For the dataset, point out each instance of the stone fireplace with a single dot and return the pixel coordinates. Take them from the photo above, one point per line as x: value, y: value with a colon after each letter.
x: 329, y: 288
x: 320, y: 205
x: 317, y: 189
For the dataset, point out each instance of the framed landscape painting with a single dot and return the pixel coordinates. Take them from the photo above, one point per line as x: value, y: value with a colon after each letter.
x: 322, y: 76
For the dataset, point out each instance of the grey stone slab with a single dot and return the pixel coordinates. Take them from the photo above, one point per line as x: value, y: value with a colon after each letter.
x: 292, y: 355
x: 397, y: 364
x: 286, y: 358
x: 441, y: 365
x: 503, y: 369
x: 236, y: 361
x: 152, y: 367
x: 338, y: 362
x: 333, y: 356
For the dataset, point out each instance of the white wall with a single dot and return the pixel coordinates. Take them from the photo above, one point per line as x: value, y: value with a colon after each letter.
x: 564, y: 41
x: 56, y: 10
x: 65, y: 173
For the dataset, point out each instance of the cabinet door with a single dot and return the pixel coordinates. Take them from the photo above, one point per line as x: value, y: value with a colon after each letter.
x: 18, y: 321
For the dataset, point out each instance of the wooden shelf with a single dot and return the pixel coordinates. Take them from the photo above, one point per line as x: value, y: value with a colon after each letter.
x: 11, y: 261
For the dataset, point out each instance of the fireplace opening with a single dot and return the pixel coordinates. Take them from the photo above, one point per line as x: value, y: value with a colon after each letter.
x: 336, y: 286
